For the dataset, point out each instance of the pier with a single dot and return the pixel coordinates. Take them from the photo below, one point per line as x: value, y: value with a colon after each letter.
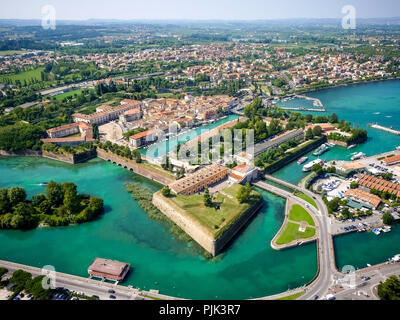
x: 390, y: 130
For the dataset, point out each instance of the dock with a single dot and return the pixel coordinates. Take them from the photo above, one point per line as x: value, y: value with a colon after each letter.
x: 391, y: 130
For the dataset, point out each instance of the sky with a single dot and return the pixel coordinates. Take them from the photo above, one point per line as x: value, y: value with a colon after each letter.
x: 197, y: 9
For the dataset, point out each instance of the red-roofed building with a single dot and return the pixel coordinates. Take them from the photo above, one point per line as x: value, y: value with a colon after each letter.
x: 143, y: 138
x: 243, y: 173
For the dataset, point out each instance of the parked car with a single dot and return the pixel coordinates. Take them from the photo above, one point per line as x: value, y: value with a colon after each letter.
x: 113, y: 297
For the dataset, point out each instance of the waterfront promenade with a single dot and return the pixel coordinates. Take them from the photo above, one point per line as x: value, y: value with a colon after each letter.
x: 88, y: 286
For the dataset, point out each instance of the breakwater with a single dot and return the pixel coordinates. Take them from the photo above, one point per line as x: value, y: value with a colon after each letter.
x: 390, y: 130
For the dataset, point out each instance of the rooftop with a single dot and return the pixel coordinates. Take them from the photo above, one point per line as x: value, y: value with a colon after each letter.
x: 108, y: 268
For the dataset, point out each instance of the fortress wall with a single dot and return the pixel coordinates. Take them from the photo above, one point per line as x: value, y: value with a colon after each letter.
x: 196, y: 231
x: 190, y: 226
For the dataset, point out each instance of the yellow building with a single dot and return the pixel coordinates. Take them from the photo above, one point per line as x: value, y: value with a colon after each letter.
x: 200, y: 180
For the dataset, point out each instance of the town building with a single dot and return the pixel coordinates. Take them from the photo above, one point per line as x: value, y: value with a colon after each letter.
x: 143, y: 138
x: 200, y: 180
x: 297, y: 135
x: 108, y: 269
x: 106, y: 114
x: 391, y: 161
x: 66, y: 135
x: 359, y: 199
x: 368, y: 182
x: 243, y: 173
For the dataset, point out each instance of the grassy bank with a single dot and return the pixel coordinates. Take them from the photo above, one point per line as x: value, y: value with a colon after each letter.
x: 224, y: 212
x: 144, y: 197
x: 306, y: 198
x: 292, y: 233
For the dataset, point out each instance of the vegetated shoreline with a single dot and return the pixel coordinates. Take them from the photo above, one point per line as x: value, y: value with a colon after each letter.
x: 333, y: 86
x: 144, y: 197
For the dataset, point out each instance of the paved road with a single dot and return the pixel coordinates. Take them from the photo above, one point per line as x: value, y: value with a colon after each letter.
x: 366, y: 280
x: 326, y: 257
x: 88, y: 286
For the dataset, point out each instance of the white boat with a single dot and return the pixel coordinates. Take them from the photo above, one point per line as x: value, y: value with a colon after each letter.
x: 308, y: 166
x: 398, y: 148
x: 358, y: 156
x: 330, y: 144
x: 352, y: 146
x: 302, y: 160
x: 377, y: 231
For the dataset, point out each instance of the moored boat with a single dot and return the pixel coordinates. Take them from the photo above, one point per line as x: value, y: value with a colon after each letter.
x: 321, y: 150
x: 308, y: 166
x: 351, y: 147
x: 358, y: 156
x: 302, y: 160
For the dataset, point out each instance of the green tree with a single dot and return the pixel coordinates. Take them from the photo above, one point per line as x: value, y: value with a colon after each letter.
x: 38, y: 199
x: 207, y: 198
x: 317, y: 131
x: 35, y: 287
x: 71, y: 201
x: 45, y: 207
x: 96, y: 205
x: 309, y: 134
x: 54, y: 193
x: 334, y: 118
x: 354, y: 185
x: 166, y: 191
x: 390, y: 289
x: 244, y: 192
x: 387, y: 218
x: 16, y: 195
x: 317, y: 169
x: 4, y: 201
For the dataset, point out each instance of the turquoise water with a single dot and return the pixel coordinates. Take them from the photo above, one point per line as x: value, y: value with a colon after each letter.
x: 360, y: 249
x: 162, y: 148
x: 249, y: 269
x: 359, y: 105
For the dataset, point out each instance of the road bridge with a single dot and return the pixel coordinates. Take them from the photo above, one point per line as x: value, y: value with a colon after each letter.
x: 326, y: 255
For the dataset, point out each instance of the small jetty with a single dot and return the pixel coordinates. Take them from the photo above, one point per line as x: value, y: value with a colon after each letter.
x: 391, y: 130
